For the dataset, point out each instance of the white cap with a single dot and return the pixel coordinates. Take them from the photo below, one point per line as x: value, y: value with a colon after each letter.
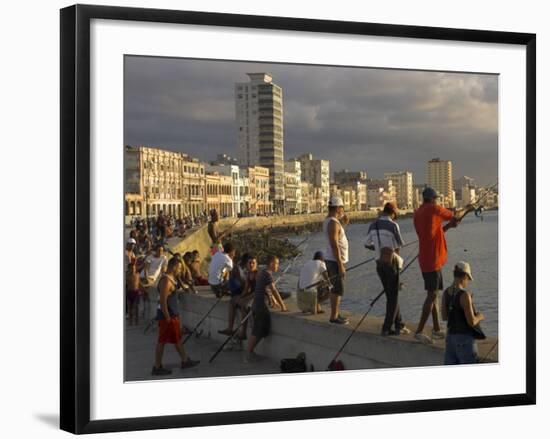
x: 131, y: 241
x: 335, y: 202
x: 465, y: 268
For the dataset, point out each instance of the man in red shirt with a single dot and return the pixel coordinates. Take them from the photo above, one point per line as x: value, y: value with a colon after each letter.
x: 432, y: 255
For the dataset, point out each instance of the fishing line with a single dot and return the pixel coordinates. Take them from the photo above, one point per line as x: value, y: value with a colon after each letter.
x: 249, y: 314
x: 221, y: 296
x: 371, y: 305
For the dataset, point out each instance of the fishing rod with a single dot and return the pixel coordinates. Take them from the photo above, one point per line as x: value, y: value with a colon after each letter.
x: 372, y: 303
x: 249, y: 314
x: 225, y: 232
x: 488, y: 353
x: 194, y: 330
x: 382, y: 292
x: 353, y: 267
x: 478, y: 212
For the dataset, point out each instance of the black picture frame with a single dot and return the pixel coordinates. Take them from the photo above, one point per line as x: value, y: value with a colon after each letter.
x: 75, y: 216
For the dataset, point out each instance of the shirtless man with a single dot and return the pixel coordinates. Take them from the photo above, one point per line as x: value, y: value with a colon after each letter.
x: 134, y: 290
x: 169, y: 330
x: 214, y: 231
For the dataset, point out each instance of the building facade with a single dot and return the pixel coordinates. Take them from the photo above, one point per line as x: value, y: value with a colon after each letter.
x: 157, y: 180
x: 347, y: 177
x: 293, y: 187
x: 379, y: 192
x: 307, y: 195
x: 233, y: 172
x: 258, y: 179
x: 402, y: 181
x: 316, y: 172
x: 259, y: 116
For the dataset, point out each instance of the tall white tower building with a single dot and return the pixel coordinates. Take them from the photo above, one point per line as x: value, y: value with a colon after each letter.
x: 259, y: 114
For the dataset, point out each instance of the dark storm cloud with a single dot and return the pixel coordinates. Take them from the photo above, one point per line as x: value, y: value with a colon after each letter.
x: 360, y: 119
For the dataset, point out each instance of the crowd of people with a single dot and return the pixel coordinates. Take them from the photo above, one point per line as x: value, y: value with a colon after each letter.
x: 162, y: 226
x: 154, y: 279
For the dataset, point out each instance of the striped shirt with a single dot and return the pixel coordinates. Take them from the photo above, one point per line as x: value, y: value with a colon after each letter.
x: 390, y: 235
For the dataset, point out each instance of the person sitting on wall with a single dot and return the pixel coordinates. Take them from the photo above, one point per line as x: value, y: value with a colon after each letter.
x: 315, y: 276
x: 236, y: 285
x: 220, y: 268
x: 195, y: 268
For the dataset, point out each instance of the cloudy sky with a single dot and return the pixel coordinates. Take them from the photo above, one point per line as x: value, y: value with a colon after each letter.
x: 360, y: 119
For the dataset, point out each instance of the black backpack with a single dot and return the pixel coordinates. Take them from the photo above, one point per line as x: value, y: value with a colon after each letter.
x: 292, y: 365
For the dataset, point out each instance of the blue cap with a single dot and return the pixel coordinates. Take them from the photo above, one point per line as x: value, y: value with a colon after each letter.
x: 319, y: 255
x: 429, y: 193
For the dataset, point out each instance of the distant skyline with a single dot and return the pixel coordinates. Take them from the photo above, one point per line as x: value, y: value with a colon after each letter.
x: 361, y: 119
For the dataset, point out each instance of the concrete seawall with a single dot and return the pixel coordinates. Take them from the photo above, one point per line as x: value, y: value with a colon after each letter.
x: 294, y: 332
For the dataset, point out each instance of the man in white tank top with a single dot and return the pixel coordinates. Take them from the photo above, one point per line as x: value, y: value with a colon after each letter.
x: 336, y: 255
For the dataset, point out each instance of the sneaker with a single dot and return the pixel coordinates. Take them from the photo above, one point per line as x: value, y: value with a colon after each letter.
x: 339, y: 320
x: 160, y: 371
x: 404, y: 331
x: 225, y: 332
x: 189, y: 363
x: 438, y: 334
x: 387, y: 332
x: 423, y: 338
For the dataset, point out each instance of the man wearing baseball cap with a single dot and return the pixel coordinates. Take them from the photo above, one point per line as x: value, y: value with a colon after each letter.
x: 336, y: 255
x: 462, y: 318
x: 432, y: 255
x: 129, y: 254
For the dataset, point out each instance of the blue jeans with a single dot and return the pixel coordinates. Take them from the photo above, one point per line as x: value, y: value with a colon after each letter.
x: 460, y: 349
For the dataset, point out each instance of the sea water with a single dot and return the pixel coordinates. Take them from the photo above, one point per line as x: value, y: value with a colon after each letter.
x: 474, y: 240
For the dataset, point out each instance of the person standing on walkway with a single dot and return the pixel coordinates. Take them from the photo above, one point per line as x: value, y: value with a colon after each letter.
x: 336, y: 255
x: 384, y: 237
x: 265, y: 290
x: 458, y: 309
x: 168, y: 319
x: 214, y: 232
x: 161, y: 226
x: 129, y: 252
x: 432, y: 255
x: 155, y: 265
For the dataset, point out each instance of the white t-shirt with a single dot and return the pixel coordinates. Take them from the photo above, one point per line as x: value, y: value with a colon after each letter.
x: 155, y: 267
x: 218, y: 265
x: 311, y: 272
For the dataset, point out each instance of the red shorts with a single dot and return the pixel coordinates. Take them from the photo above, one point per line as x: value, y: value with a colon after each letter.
x: 169, y: 332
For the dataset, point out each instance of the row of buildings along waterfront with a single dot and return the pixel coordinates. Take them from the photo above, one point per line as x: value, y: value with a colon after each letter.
x: 261, y: 181
x: 159, y: 180
x: 173, y: 182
